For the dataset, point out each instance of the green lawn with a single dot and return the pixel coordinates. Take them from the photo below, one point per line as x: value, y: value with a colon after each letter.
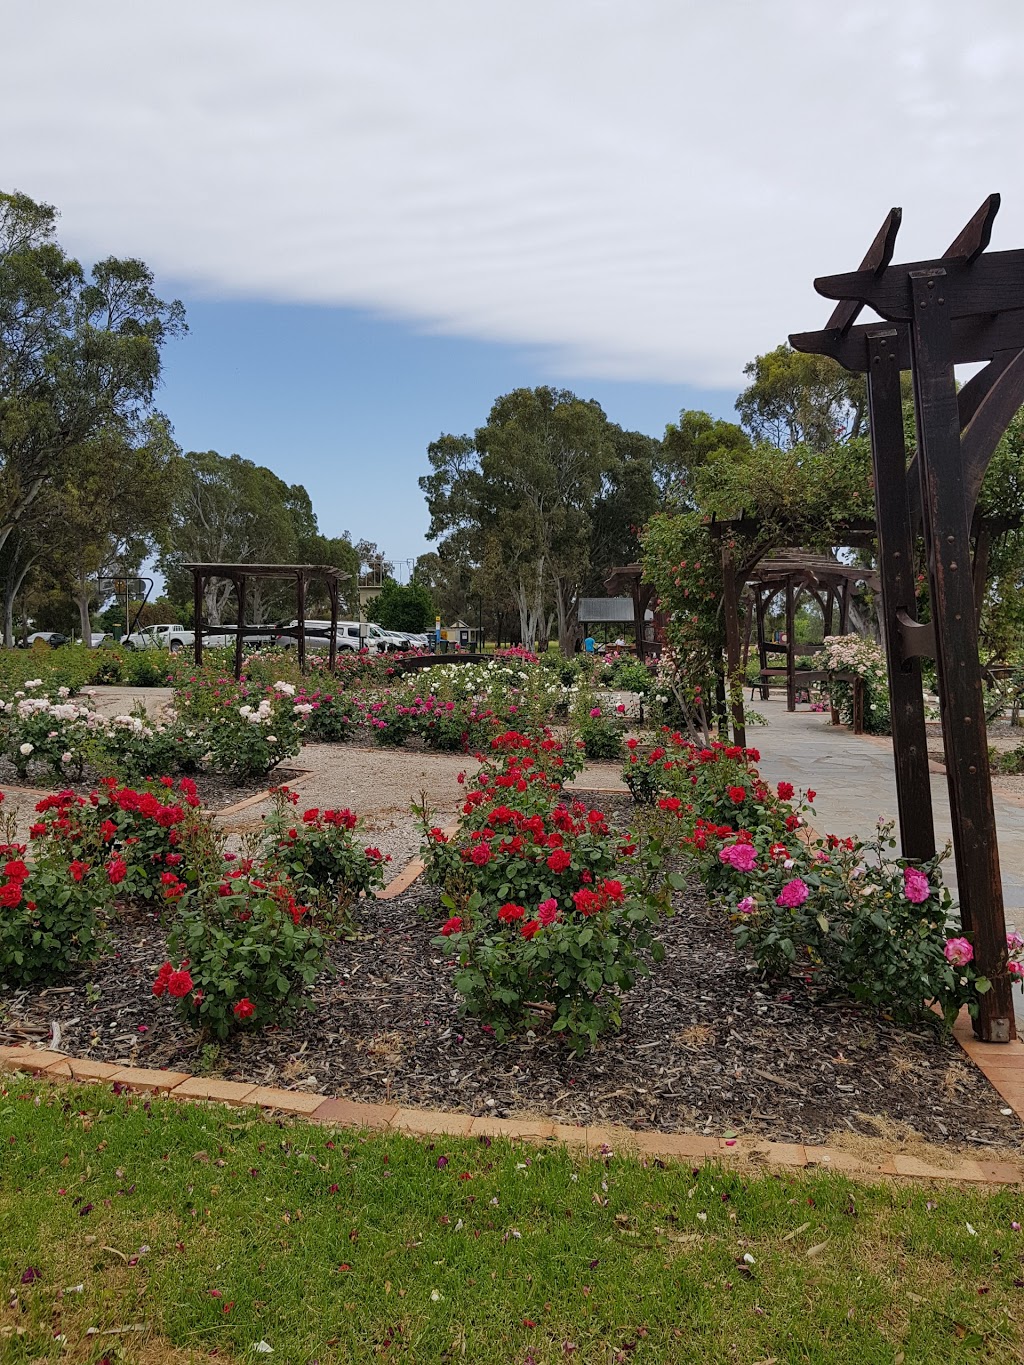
x: 217, y: 1230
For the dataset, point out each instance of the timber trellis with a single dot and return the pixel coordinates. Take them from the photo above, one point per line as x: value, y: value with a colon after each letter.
x: 965, y: 306
x: 239, y: 575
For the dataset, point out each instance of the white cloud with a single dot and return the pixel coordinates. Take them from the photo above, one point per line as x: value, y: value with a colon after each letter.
x: 645, y: 186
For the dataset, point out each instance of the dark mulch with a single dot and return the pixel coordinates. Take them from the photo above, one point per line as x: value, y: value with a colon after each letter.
x: 215, y: 790
x: 704, y: 1048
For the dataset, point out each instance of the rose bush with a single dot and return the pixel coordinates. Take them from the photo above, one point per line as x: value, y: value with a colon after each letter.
x: 247, y: 953
x: 847, y: 914
x: 552, y: 911
x: 52, y: 910
x: 318, y: 853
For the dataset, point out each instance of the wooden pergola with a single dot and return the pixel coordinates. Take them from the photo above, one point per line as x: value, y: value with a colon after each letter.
x: 239, y: 575
x: 627, y: 581
x: 795, y: 573
x: 964, y: 306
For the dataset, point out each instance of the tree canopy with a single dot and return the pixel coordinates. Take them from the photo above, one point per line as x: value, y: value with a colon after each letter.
x: 224, y: 510
x: 80, y: 357
x: 546, y: 495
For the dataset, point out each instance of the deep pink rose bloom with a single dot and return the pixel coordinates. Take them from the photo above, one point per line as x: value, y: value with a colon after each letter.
x: 794, y: 893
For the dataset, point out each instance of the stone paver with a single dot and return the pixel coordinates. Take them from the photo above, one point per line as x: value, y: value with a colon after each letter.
x: 222, y: 1092
x: 855, y: 784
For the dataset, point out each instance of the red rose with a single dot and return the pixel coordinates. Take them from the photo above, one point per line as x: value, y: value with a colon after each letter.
x: 179, y: 984
x: 530, y: 928
x: 587, y: 902
x: 737, y: 795
x: 10, y: 894
x: 481, y: 854
x: 374, y: 855
x: 811, y: 795
x: 78, y: 870
x: 785, y: 790
x: 245, y: 1009
x: 559, y: 860
x: 163, y: 976
x: 117, y: 870
x: 509, y: 914
x: 451, y: 926
x: 16, y: 870
x: 37, y: 831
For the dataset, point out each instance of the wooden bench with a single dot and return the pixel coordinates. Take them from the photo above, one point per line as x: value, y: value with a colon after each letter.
x: 777, y: 679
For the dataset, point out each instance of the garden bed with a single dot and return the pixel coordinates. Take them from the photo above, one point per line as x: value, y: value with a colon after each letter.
x: 704, y: 1047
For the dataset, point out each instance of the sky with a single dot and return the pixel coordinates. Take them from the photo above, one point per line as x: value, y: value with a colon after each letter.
x: 382, y: 216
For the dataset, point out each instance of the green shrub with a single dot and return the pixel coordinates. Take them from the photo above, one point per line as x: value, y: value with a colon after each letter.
x: 246, y: 951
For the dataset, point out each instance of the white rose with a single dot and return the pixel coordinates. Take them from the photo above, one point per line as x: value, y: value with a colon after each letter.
x: 65, y: 757
x: 26, y: 749
x: 285, y: 688
x: 271, y: 739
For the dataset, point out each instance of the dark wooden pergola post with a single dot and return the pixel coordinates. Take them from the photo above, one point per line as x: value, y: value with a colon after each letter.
x: 240, y: 596
x: 332, y: 649
x: 730, y: 608
x: 790, y: 646
x: 899, y: 598
x: 964, y: 306
x: 198, y: 584
x: 300, y: 602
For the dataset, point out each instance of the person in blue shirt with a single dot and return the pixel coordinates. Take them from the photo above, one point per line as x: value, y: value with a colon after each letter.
x: 588, y: 644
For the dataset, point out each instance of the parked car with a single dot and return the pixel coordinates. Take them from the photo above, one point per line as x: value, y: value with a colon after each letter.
x: 318, y: 635
x: 53, y: 638
x: 172, y: 637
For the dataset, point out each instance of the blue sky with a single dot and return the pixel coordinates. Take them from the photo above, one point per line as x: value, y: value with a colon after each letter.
x: 347, y: 403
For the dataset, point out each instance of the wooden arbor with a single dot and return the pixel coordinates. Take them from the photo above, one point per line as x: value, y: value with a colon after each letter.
x: 793, y: 572
x: 963, y: 306
x: 629, y: 579
x: 239, y: 575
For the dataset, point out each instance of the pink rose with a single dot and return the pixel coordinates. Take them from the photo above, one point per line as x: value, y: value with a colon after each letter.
x: 742, y: 857
x: 916, y: 886
x: 958, y: 951
x: 794, y: 893
x: 547, y: 911
x: 747, y: 905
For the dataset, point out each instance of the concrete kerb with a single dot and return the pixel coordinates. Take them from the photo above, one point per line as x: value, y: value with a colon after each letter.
x: 685, y: 1148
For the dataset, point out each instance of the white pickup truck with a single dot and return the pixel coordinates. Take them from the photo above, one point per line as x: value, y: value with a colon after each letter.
x: 172, y: 637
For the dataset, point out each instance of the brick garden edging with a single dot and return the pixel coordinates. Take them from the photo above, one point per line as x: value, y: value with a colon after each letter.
x: 598, y: 1141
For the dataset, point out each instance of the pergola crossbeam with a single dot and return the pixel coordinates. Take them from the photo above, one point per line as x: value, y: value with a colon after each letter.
x: 964, y: 305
